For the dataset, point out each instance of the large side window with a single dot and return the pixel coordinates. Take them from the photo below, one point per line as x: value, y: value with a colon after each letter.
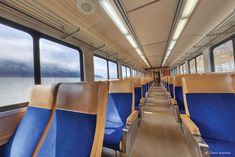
x: 128, y: 70
x: 113, y: 70
x: 124, y: 75
x: 100, y: 68
x: 192, y: 66
x: 223, y: 56
x: 59, y: 63
x: 16, y: 66
x: 200, y: 64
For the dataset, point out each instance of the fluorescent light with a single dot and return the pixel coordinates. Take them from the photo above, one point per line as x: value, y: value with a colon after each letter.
x: 138, y: 51
x: 168, y: 53
x: 114, y: 15
x: 172, y: 44
x: 132, y: 41
x: 179, y: 28
x: 143, y: 57
x: 188, y: 8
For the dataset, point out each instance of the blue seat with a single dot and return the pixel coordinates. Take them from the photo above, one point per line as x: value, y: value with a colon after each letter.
x: 178, y: 92
x: 119, y: 107
x: 210, y: 102
x: 137, y: 91
x: 144, y: 87
x: 77, y: 127
x: 30, y: 130
x: 170, y: 86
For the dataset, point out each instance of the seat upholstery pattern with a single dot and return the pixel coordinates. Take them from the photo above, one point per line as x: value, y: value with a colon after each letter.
x: 78, y: 124
x: 24, y: 141
x: 209, y: 101
x: 179, y: 98
x: 119, y: 107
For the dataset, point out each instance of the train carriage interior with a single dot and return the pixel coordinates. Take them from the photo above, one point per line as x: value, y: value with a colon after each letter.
x: 117, y: 78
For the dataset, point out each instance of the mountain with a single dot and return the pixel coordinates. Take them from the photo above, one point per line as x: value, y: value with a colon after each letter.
x: 10, y: 68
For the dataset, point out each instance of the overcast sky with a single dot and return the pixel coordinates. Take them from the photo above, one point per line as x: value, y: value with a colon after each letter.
x: 17, y: 45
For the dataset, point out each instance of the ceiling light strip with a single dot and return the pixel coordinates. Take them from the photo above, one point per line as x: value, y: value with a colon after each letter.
x: 187, y: 11
x: 118, y: 21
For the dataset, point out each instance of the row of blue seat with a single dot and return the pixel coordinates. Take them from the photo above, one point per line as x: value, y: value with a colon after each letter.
x: 76, y: 119
x: 209, y: 107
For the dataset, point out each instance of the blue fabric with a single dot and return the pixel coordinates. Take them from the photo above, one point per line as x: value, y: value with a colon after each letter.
x: 113, y: 134
x: 147, y: 87
x: 137, y: 107
x: 137, y: 97
x: 220, y: 148
x: 118, y: 109
x: 214, y: 114
x: 71, y: 134
x: 144, y: 89
x: 179, y: 98
x: 25, y: 139
x: 171, y: 90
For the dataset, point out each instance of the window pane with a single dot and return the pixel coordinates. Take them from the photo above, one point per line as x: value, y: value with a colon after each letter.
x: 192, y: 66
x: 16, y: 66
x: 128, y: 72
x: 100, y: 69
x: 113, y: 73
x: 59, y: 63
x: 184, y: 69
x: 200, y: 64
x: 224, y: 57
x: 123, y: 72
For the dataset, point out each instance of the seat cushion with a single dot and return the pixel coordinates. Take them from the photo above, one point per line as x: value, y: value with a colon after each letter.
x: 26, y: 137
x: 179, y: 98
x: 171, y: 90
x: 220, y: 148
x: 137, y: 97
x: 71, y: 134
x: 213, y: 113
x: 113, y: 135
x: 119, y: 107
x: 144, y: 90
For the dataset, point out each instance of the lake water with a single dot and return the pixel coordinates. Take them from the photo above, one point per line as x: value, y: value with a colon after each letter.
x: 16, y: 90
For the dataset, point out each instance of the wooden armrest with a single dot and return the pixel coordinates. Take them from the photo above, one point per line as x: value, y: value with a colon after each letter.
x: 190, y: 125
x: 132, y: 117
x: 173, y: 101
x: 142, y: 100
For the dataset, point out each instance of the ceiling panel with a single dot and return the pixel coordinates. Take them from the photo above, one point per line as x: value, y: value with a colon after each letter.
x: 152, y: 24
x: 206, y: 16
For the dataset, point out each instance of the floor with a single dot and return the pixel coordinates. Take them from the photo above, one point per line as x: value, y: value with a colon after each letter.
x: 159, y: 133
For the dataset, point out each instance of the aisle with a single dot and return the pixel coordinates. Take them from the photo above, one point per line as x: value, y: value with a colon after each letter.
x: 160, y: 134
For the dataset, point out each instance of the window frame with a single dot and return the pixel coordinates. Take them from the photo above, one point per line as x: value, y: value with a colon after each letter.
x: 36, y: 35
x: 195, y: 61
x: 107, y: 62
x: 211, y: 54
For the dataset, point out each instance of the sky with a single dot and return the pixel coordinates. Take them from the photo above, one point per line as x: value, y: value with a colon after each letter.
x: 17, y: 46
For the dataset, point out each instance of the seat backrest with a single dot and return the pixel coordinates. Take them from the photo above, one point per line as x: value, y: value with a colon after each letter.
x: 144, y: 87
x: 120, y: 101
x: 137, y: 90
x: 30, y: 130
x: 78, y: 124
x: 210, y: 102
x: 170, y: 85
x: 178, y: 92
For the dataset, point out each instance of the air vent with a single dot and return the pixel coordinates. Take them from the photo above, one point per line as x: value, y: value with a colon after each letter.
x: 86, y: 7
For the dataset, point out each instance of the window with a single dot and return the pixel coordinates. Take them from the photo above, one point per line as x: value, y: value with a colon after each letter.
x: 200, y: 64
x: 184, y: 69
x: 124, y: 75
x: 59, y: 63
x: 100, y: 68
x: 128, y: 70
x: 16, y: 66
x: 223, y: 57
x: 113, y: 70
x: 192, y: 66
